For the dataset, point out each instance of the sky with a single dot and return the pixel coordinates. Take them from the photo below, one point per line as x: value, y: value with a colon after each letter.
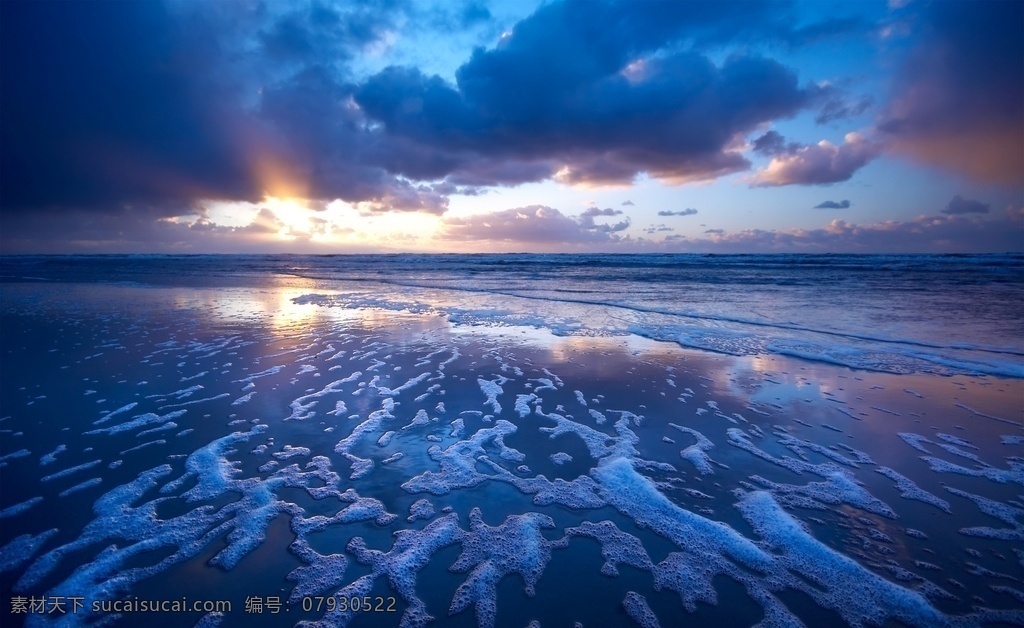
x: 511, y: 126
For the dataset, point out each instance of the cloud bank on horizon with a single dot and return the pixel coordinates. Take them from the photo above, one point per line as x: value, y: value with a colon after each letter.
x: 319, y: 126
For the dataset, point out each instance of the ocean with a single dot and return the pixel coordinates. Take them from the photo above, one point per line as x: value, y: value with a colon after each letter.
x: 511, y: 440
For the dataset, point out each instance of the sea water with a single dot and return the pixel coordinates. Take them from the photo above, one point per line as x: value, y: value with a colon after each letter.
x: 512, y: 440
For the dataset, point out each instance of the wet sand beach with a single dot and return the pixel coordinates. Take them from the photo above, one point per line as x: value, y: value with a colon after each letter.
x: 241, y: 443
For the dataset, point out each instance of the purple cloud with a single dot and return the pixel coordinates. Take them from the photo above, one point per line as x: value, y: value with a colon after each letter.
x: 404, y: 196
x: 833, y: 205
x: 689, y: 211
x: 542, y: 228
x: 960, y: 205
x: 586, y: 220
x: 925, y: 234
x: 658, y: 228
x: 817, y: 164
x: 590, y: 212
x: 532, y: 225
x: 772, y: 143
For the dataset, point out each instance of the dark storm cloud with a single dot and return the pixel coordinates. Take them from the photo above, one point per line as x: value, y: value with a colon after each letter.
x: 676, y: 122
x: 575, y: 88
x: 112, y: 105
x: 317, y: 31
x: 960, y: 205
x: 959, y: 101
x: 689, y: 211
x: 310, y: 122
x: 488, y: 171
x: 132, y: 111
x: 833, y: 205
x: 97, y: 109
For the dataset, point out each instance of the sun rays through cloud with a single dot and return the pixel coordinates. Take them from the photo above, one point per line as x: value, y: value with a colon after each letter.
x: 192, y: 125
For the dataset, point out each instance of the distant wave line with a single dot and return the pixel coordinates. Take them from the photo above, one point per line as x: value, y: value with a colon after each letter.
x: 921, y: 343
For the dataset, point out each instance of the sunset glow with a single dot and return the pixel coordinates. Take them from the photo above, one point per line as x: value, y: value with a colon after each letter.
x: 685, y: 127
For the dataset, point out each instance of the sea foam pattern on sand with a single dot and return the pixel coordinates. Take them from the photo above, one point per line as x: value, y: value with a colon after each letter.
x: 397, y: 445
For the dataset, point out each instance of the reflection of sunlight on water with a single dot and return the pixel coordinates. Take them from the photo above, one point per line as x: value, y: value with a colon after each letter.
x: 560, y: 348
x: 759, y: 364
x: 274, y: 307
x: 564, y: 348
x: 287, y: 315
x: 640, y: 345
x: 787, y: 392
x: 533, y: 337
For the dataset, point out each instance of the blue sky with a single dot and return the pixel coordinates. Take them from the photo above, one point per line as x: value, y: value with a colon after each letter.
x: 327, y: 127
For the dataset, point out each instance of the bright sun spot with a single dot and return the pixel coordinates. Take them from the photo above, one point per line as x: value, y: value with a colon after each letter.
x: 292, y: 219
x: 293, y: 213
